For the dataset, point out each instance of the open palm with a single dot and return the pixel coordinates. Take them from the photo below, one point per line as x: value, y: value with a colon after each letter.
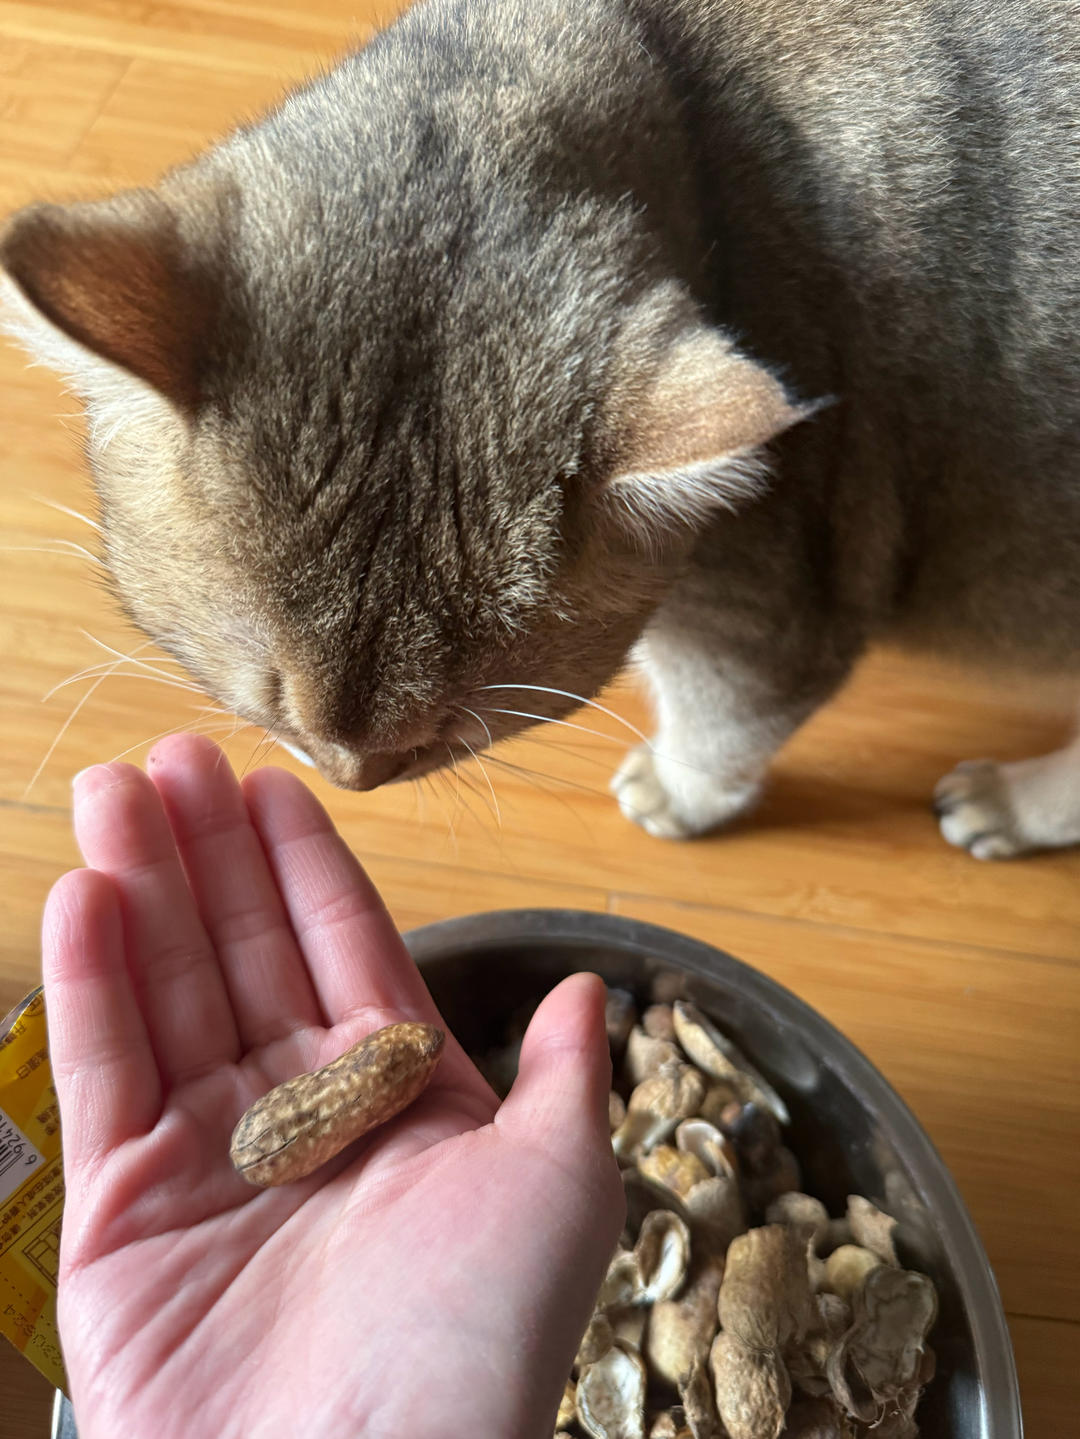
x: 431, y: 1281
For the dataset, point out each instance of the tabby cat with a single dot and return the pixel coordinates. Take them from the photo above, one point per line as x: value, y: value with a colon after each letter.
x: 740, y: 331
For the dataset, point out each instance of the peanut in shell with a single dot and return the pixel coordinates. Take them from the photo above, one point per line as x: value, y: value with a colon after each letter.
x: 299, y: 1125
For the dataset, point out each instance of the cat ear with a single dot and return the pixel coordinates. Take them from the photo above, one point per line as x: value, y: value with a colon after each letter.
x: 113, y: 281
x: 692, y: 437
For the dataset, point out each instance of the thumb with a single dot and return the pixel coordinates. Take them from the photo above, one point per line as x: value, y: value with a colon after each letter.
x: 559, y: 1101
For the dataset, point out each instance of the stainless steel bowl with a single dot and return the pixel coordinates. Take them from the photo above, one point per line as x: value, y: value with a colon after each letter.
x: 850, y: 1129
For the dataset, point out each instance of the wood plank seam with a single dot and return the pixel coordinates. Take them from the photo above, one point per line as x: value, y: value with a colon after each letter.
x: 110, y: 91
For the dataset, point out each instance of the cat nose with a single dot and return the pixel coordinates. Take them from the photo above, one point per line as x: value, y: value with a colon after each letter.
x: 351, y: 770
x: 377, y: 769
x: 344, y: 761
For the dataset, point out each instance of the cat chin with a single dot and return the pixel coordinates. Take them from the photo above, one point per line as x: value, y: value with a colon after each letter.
x: 427, y: 761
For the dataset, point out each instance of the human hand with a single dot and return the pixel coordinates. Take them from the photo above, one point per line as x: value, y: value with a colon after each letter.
x: 432, y: 1281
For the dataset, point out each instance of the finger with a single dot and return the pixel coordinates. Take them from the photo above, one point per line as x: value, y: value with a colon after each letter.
x: 102, y: 1060
x: 559, y: 1100
x: 558, y: 1110
x: 357, y: 961
x: 234, y: 889
x: 122, y: 831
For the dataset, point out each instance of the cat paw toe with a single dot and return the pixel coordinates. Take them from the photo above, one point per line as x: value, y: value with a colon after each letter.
x: 974, y: 812
x: 643, y: 799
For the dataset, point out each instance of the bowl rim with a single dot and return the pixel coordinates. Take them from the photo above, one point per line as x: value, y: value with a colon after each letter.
x: 999, y: 1399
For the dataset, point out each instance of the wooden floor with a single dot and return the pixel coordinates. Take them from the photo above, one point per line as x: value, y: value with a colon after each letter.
x: 960, y: 980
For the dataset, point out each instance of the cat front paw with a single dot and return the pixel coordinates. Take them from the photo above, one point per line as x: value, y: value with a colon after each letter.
x: 975, y: 813
x: 642, y: 797
x: 675, y: 800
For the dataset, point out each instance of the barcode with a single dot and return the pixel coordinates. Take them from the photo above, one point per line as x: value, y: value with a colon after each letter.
x: 18, y: 1157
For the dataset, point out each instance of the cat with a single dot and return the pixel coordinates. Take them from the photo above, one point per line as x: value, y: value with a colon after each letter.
x: 737, y: 334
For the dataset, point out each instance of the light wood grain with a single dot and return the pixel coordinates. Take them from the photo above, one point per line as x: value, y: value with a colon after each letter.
x: 27, y: 1397
x: 961, y: 981
x: 1046, y: 1361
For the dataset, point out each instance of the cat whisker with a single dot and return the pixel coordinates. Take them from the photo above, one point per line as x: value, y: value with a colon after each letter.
x: 495, y: 836
x: 458, y: 779
x: 260, y: 745
x: 524, y: 737
x: 449, y: 814
x: 103, y: 441
x: 72, y: 551
x: 267, y: 746
x: 544, y: 783
x: 206, y: 727
x: 102, y: 665
x: 550, y: 719
x: 213, y: 709
x: 72, y: 547
x: 79, y: 704
x: 483, y: 723
x: 237, y: 721
x: 117, y: 654
x: 457, y: 792
x: 463, y: 780
x: 558, y: 748
x: 557, y: 779
x: 530, y: 775
x: 494, y: 802
x: 421, y: 807
x: 464, y: 783
x: 67, y: 510
x: 146, y: 664
x: 599, y: 734
x: 116, y: 672
x: 578, y: 699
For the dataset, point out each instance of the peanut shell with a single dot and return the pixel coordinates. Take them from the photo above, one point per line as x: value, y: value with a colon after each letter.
x: 765, y: 1296
x: 682, y: 1330
x: 611, y: 1396
x: 657, y: 1022
x: 567, y: 1406
x: 595, y: 1342
x: 847, y: 1267
x: 299, y: 1125
x: 695, y: 1392
x: 873, y: 1229
x: 673, y: 1169
x: 670, y: 1425
x: 752, y: 1389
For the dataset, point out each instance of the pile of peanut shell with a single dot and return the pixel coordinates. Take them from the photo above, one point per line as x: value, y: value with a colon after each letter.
x: 734, y: 1306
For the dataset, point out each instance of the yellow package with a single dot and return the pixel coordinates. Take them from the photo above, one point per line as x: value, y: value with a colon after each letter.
x: 31, y: 1190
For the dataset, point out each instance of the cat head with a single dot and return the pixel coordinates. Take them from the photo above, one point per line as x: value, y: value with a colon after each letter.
x: 367, y: 472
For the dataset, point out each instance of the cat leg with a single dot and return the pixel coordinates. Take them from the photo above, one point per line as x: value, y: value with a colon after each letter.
x: 719, y: 723
x: 998, y: 810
